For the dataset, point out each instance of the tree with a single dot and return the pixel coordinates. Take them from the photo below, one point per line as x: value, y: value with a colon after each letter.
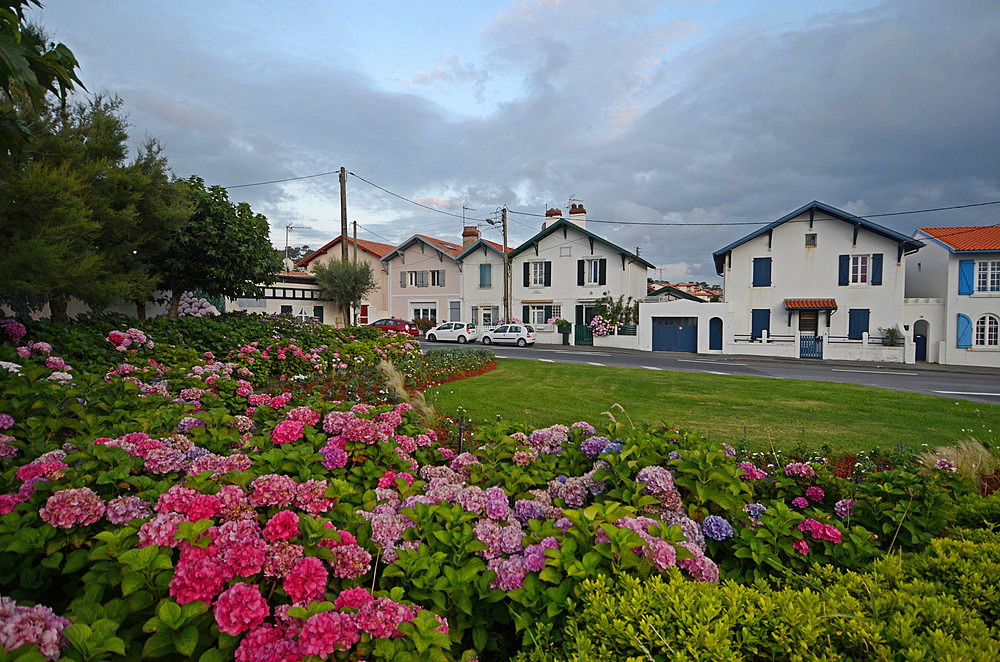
x: 345, y: 283
x: 29, y: 65
x: 57, y: 200
x: 221, y: 249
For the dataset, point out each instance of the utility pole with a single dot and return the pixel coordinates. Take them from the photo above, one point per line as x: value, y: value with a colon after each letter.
x: 343, y: 214
x: 506, y: 271
x: 355, y: 241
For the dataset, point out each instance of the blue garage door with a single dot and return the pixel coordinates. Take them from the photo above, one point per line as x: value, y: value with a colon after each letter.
x: 675, y: 334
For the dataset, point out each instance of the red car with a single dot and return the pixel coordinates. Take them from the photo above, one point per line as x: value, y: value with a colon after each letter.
x: 391, y: 324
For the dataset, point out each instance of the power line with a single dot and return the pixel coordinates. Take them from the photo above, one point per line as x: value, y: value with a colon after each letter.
x: 412, y: 202
x: 287, y: 179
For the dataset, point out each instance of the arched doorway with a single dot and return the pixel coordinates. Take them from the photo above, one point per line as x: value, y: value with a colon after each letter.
x: 921, y: 333
x: 715, y: 333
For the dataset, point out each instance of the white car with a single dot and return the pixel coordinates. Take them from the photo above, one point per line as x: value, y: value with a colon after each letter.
x: 460, y: 332
x: 518, y: 334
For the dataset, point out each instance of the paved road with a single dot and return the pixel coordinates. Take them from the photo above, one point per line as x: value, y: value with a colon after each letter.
x: 979, y: 384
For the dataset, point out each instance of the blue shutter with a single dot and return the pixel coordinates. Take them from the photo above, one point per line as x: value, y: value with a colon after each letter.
x: 762, y: 272
x: 964, y: 331
x: 876, y: 269
x: 857, y: 323
x: 966, y: 273
x: 485, y: 275
x: 844, y: 274
x: 760, y: 320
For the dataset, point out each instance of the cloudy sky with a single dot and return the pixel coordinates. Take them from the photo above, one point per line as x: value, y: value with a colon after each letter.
x: 649, y: 112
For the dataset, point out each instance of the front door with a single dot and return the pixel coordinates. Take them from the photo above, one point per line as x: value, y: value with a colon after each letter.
x: 920, y: 344
x: 810, y: 344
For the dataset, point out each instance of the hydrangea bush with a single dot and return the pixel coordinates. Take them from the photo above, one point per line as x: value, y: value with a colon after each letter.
x: 173, y: 503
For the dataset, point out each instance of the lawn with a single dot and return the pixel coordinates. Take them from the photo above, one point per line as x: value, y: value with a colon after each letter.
x: 727, y: 408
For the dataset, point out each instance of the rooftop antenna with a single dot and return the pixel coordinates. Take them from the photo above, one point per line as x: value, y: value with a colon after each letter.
x: 288, y: 227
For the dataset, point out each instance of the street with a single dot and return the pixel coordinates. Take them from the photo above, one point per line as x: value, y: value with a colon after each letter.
x: 978, y: 384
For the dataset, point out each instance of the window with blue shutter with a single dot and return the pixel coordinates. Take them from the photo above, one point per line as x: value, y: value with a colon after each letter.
x: 857, y: 322
x: 762, y: 272
x: 760, y: 321
x: 486, y: 275
x: 964, y: 335
x: 876, y: 269
x: 844, y: 270
x: 966, y: 271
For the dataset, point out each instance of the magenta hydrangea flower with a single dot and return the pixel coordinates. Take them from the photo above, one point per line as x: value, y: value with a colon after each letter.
x: 306, y: 580
x: 353, y: 598
x: 160, y: 530
x: 124, y: 509
x: 801, y: 546
x: 6, y: 421
x: 282, y: 526
x: 382, y: 617
x: 799, y: 470
x: 844, y: 508
x: 815, y: 493
x: 78, y: 506
x: 800, y: 502
x: 287, y: 431
x: 751, y: 471
x: 328, y: 631
x: 240, y: 608
x: 37, y: 625
x: 350, y: 561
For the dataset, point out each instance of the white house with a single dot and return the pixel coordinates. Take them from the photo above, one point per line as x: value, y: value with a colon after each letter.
x: 375, y: 304
x: 817, y: 283
x: 292, y: 293
x: 953, y: 296
x: 481, y: 265
x: 423, y: 280
x: 564, y: 269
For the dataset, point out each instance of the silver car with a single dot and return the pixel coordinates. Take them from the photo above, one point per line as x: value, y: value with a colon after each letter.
x: 518, y: 334
x: 460, y: 332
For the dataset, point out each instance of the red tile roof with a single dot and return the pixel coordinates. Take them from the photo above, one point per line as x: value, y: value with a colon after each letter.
x: 448, y: 247
x: 497, y: 246
x: 967, y: 237
x: 810, y: 304
x: 375, y: 248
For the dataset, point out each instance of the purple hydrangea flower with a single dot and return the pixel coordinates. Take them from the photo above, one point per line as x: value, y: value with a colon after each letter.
x: 800, y: 502
x: 592, y: 446
x: 755, y: 511
x: 844, y: 508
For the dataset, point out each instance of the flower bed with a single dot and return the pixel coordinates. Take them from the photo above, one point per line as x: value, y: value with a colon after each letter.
x: 159, y: 507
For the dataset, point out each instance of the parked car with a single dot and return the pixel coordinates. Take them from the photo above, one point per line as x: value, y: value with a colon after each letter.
x: 392, y: 324
x: 460, y: 332
x: 519, y: 334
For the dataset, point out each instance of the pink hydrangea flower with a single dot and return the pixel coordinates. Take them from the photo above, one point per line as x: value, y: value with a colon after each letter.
x: 800, y: 502
x: 353, y: 598
x: 240, y: 608
x: 328, y: 631
x: 287, y: 431
x: 306, y: 580
x: 282, y: 526
x: 801, y: 546
x: 73, y: 507
x: 815, y: 493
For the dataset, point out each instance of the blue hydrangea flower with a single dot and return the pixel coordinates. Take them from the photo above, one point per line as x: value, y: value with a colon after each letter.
x: 674, y: 455
x: 755, y: 511
x: 613, y: 447
x: 717, y: 528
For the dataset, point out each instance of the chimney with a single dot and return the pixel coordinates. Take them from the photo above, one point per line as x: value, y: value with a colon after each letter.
x: 552, y: 216
x: 470, y: 235
x: 578, y: 215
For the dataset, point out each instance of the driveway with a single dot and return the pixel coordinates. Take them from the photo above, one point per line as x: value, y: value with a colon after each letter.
x: 978, y: 384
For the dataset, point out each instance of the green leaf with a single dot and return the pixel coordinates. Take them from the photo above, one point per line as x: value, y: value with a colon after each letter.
x: 187, y: 641
x: 132, y: 582
x: 158, y: 645
x: 78, y: 635
x: 170, y: 613
x: 211, y: 655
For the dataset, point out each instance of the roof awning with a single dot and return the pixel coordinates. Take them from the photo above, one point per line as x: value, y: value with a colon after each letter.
x: 810, y: 304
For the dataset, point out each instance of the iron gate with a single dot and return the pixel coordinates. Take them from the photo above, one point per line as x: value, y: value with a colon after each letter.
x: 810, y: 347
x: 584, y: 335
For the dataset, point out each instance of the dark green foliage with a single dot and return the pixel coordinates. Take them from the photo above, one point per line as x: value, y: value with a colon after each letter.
x: 976, y: 511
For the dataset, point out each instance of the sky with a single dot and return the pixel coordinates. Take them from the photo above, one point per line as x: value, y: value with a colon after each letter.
x: 661, y: 113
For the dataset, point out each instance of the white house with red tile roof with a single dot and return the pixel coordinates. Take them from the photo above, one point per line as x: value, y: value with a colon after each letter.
x: 424, y: 279
x: 376, y: 304
x: 953, y: 295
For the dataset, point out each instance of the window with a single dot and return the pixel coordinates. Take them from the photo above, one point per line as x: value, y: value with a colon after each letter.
x: 486, y: 275
x: 592, y: 272
x: 425, y: 311
x: 859, y: 269
x: 988, y: 331
x: 490, y: 315
x: 565, y: 251
x: 811, y: 240
x: 760, y: 321
x: 536, y: 315
x: 988, y: 276
x: 761, y: 272
x: 538, y: 273
x: 437, y: 278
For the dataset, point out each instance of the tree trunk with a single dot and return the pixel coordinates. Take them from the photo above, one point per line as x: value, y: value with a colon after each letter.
x: 57, y: 310
x: 140, y: 310
x: 175, y: 301
x: 346, y: 311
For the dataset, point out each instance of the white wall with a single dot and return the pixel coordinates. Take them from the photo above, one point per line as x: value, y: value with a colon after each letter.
x: 927, y: 270
x: 475, y: 296
x: 801, y: 272
x: 684, y: 308
x: 563, y: 253
x: 376, y: 301
x: 419, y: 256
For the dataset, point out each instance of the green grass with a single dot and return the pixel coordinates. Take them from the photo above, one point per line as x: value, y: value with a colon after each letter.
x: 726, y: 408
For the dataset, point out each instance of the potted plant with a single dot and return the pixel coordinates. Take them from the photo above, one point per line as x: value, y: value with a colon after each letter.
x: 563, y: 327
x: 891, y: 336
